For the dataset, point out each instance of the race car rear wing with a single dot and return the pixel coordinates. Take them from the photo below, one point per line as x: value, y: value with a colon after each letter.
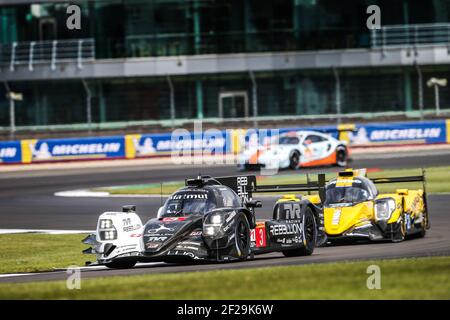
x: 421, y: 178
x: 245, y: 186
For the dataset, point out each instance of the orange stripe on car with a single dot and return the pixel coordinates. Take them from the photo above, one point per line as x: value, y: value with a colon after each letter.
x: 254, y: 158
x: 331, y: 159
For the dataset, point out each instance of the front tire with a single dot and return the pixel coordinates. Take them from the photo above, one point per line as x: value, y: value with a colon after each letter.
x: 294, y: 160
x: 341, y: 156
x: 310, y: 234
x: 400, y: 234
x: 242, y: 237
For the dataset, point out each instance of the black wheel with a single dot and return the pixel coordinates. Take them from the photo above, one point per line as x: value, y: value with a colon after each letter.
x: 400, y: 233
x: 341, y: 156
x: 242, y: 237
x: 294, y: 160
x: 310, y: 232
x: 121, y: 264
x: 423, y: 227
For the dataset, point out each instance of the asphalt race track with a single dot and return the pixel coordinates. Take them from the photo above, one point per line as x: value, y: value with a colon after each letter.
x: 27, y: 201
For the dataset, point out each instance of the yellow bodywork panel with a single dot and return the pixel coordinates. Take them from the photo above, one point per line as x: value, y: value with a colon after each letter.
x: 409, y: 201
x: 340, y: 219
x: 314, y: 199
x: 288, y: 197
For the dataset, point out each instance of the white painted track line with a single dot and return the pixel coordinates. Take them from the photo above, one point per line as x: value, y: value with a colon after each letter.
x: 10, y: 231
x: 87, y: 268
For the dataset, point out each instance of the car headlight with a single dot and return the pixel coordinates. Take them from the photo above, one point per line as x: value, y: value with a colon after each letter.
x: 384, y: 209
x: 106, y: 229
x: 211, y: 230
x: 212, y: 225
x: 108, y: 235
x: 106, y: 223
x: 216, y: 219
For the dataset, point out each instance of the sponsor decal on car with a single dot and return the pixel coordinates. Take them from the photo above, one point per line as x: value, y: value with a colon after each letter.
x: 336, y: 217
x: 185, y: 196
x: 152, y: 245
x: 157, y: 239
x: 159, y: 228
x: 285, y: 229
x: 172, y: 219
x: 231, y: 216
x: 258, y: 236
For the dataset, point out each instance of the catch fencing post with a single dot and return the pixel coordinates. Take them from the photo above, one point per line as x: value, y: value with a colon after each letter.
x: 337, y: 95
x: 420, y: 88
x: 88, y: 105
x: 12, y: 97
x: 172, y: 101
x: 254, y: 99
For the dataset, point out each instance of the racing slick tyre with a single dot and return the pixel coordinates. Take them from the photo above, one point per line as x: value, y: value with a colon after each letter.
x: 294, y: 160
x: 423, y: 228
x: 400, y: 233
x: 242, y: 236
x: 121, y: 264
x: 310, y: 232
x: 341, y: 156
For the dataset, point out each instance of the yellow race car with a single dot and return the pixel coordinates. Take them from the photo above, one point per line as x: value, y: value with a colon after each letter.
x: 354, y: 209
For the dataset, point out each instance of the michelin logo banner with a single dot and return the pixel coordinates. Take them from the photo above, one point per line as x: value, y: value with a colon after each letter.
x: 10, y: 152
x: 72, y: 149
x: 392, y: 133
x: 146, y: 145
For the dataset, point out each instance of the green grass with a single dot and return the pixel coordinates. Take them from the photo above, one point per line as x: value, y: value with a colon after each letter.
x: 40, y: 252
x: 437, y: 181
x: 420, y: 278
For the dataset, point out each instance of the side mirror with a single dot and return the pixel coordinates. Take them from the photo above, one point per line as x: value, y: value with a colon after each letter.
x: 254, y: 204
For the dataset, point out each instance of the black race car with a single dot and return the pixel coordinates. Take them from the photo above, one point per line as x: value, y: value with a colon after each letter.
x: 210, y: 219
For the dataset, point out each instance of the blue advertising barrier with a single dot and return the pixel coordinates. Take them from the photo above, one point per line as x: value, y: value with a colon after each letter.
x: 10, y: 152
x: 210, y: 141
x: 397, y: 133
x: 72, y: 149
x: 144, y: 145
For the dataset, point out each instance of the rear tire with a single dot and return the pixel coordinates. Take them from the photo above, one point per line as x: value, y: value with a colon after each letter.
x: 310, y: 233
x: 121, y: 264
x: 341, y: 156
x: 294, y: 160
x: 423, y: 228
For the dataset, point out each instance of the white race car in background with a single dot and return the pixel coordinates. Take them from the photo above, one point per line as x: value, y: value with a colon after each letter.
x: 294, y: 150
